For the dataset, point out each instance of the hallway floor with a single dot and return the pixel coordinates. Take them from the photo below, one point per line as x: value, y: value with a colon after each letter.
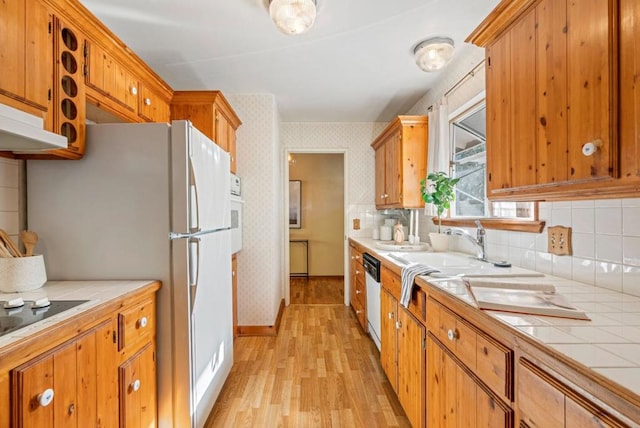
x: 321, y: 371
x: 317, y: 290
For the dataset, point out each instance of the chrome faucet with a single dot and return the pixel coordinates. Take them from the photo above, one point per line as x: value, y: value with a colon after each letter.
x: 479, y: 241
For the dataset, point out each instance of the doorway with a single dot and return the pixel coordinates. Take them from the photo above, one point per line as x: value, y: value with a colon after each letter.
x: 316, y: 227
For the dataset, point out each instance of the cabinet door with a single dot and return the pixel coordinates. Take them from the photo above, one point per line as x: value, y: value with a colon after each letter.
x: 12, y: 47
x: 65, y: 384
x: 151, y: 107
x: 523, y: 108
x: 551, y: 82
x: 223, y: 130
x: 233, y: 150
x: 411, y: 368
x: 455, y: 399
x: 234, y: 292
x: 393, y: 169
x: 38, y: 54
x: 388, y: 346
x: 137, y: 390
x: 29, y: 382
x: 380, y: 176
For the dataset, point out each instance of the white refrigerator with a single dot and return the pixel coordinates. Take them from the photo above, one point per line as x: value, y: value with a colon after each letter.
x: 150, y: 201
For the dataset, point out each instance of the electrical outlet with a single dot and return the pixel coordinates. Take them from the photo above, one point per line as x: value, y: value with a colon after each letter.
x: 559, y: 240
x: 356, y: 224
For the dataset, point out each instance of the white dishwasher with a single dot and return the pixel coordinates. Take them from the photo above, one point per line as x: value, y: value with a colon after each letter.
x: 372, y: 278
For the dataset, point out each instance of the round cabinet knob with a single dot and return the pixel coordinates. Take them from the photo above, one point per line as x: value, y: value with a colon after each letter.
x: 71, y: 409
x: 46, y: 397
x: 390, y: 315
x: 135, y: 386
x: 357, y: 257
x: 398, y: 325
x: 452, y: 334
x: 386, y: 196
x: 357, y: 272
x: 147, y: 101
x: 143, y: 322
x: 358, y: 291
x: 588, y: 149
x: 358, y: 312
x: 353, y: 257
x: 133, y: 90
x: 233, y: 273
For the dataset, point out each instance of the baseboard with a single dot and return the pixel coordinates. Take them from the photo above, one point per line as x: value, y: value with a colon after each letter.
x: 319, y: 277
x: 262, y: 330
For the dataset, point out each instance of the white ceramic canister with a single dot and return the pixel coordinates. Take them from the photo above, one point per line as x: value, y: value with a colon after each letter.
x: 385, y: 233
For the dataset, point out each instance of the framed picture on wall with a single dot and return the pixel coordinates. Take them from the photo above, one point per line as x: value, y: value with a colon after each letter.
x: 295, y: 204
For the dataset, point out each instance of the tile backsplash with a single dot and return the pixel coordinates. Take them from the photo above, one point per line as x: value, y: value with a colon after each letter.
x: 605, y: 241
x: 10, y: 196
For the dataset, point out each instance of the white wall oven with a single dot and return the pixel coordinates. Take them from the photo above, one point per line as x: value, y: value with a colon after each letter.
x: 236, y: 214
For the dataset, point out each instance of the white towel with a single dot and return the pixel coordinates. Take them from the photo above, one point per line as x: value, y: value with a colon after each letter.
x: 409, y: 274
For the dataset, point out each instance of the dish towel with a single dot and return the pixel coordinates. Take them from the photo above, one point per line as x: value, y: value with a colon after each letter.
x: 409, y: 274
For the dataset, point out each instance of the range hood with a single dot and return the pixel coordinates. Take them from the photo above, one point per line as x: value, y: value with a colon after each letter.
x: 23, y: 132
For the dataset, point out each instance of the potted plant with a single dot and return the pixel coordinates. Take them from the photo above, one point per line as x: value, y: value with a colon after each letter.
x: 439, y: 189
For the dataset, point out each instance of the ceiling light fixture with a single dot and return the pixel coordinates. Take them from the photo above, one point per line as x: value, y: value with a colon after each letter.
x: 433, y: 54
x: 293, y: 16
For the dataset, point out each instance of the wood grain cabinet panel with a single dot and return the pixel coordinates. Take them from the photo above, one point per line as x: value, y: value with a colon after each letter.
x: 402, y: 352
x: 401, y: 161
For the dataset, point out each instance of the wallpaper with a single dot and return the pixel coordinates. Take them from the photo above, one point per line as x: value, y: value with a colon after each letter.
x: 260, y: 263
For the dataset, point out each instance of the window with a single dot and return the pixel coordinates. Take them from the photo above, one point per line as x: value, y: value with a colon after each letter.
x: 468, y: 162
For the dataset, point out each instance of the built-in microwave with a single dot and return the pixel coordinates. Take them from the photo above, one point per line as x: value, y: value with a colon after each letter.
x: 236, y: 214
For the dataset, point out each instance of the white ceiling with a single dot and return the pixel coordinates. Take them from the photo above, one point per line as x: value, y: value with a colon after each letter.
x: 355, y: 65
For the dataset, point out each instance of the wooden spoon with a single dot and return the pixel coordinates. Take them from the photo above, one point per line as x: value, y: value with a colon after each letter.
x: 29, y: 239
x: 4, y: 253
x: 8, y: 243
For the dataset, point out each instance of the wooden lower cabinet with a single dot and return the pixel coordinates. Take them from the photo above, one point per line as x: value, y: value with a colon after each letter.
x: 358, y: 289
x: 138, y: 390
x: 85, y: 380
x: 402, y: 356
x: 543, y: 401
x: 60, y: 388
x: 455, y: 399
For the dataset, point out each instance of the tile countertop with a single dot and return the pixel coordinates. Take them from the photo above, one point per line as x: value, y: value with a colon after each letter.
x: 609, y: 344
x: 96, y: 292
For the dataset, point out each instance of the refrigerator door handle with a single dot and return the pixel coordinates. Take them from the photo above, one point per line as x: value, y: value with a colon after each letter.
x: 194, y: 205
x: 194, y: 268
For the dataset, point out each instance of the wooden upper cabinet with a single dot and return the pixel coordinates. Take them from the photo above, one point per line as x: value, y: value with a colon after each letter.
x: 552, y: 97
x: 151, y: 106
x: 110, y: 78
x: 401, y: 162
x: 26, y: 54
x: 211, y: 113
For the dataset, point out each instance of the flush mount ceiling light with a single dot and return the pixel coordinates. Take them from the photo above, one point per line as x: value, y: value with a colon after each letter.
x: 433, y: 54
x: 293, y: 16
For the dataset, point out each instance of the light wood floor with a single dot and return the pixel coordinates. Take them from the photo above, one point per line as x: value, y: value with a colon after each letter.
x: 317, y: 290
x: 321, y: 371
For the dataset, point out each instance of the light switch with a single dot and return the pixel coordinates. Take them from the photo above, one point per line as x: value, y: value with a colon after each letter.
x: 356, y: 224
x: 559, y: 240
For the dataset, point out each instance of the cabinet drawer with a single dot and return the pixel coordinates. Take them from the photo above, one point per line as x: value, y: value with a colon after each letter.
x: 361, y: 314
x: 135, y: 325
x: 491, y: 361
x: 360, y: 293
x: 393, y: 284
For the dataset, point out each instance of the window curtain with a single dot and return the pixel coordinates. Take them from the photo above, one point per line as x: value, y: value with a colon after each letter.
x: 439, y: 150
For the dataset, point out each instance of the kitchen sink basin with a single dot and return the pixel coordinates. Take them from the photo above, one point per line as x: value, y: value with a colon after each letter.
x: 453, y: 264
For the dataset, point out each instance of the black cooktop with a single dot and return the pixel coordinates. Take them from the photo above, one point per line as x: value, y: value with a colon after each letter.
x: 16, y: 318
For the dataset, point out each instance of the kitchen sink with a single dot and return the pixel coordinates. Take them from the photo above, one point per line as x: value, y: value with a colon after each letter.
x: 454, y: 264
